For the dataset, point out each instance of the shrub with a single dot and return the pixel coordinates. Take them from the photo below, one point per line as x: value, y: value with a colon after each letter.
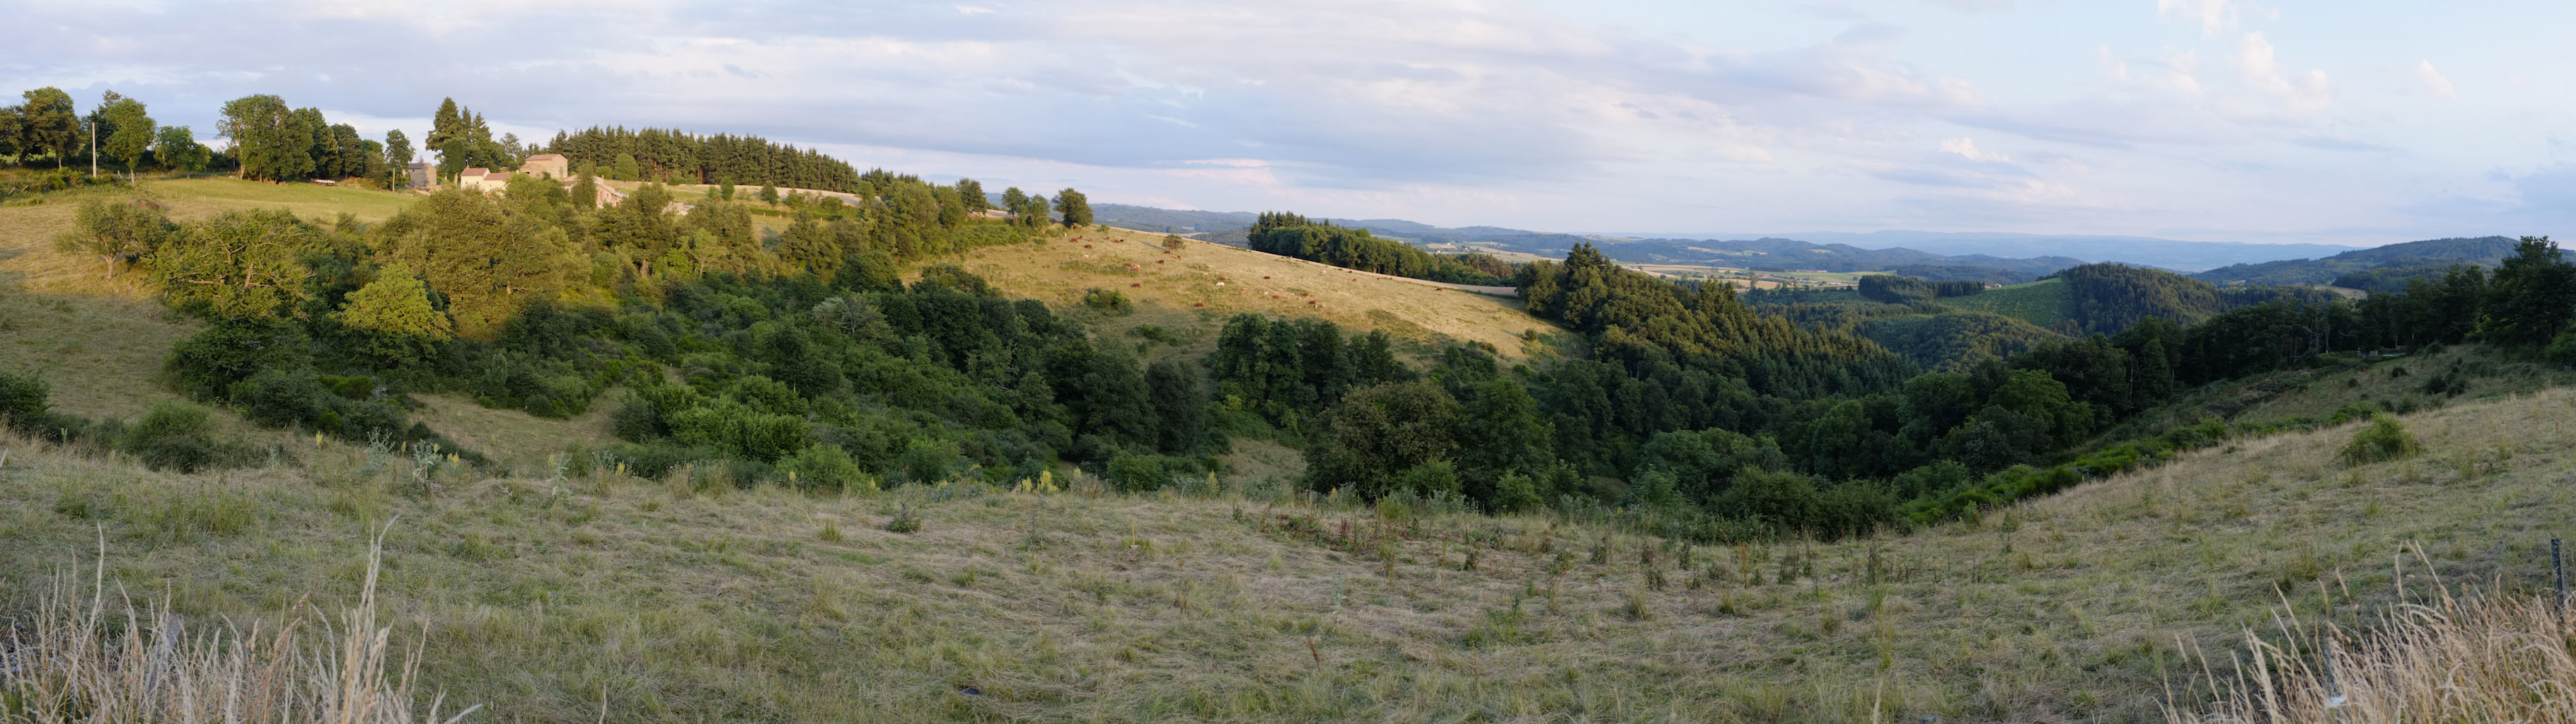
x: 1108, y: 300
x: 2383, y: 440
x: 208, y: 363
x: 1137, y: 473
x: 903, y: 521
x: 22, y: 402
x: 2562, y: 350
x: 826, y: 468
x: 172, y: 436
x: 279, y: 397
x: 1515, y: 492
x: 169, y: 418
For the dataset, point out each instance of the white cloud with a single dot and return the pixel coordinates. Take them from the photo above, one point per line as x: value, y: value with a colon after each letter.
x: 2119, y: 68
x: 1967, y: 148
x: 2433, y: 81
x: 2308, y: 93
x: 973, y: 10
x: 2178, y: 71
x: 2214, y: 16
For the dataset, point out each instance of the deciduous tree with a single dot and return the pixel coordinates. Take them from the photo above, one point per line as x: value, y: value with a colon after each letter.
x: 241, y: 265
x: 48, y: 123
x: 393, y: 317
x: 1075, y: 207
x: 114, y: 230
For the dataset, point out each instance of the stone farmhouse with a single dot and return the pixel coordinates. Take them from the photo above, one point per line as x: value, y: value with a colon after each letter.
x: 544, y: 165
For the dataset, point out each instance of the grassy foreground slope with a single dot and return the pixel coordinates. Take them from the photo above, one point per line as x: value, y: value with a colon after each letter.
x: 689, y: 600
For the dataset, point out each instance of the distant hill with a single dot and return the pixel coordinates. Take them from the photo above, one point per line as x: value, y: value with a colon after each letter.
x: 1767, y: 254
x: 2399, y: 262
x: 2185, y: 256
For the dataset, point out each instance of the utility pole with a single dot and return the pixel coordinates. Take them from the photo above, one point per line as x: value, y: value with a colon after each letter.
x: 93, y: 148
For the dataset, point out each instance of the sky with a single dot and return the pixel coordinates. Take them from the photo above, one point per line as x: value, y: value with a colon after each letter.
x: 2348, y: 122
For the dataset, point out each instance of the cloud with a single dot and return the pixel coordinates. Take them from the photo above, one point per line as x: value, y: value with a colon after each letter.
x: 2255, y: 60
x: 2214, y: 16
x: 1974, y: 6
x: 2432, y: 81
x: 1967, y: 149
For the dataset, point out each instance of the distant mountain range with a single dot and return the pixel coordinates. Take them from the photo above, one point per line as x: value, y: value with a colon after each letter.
x: 2384, y: 268
x: 1997, y: 257
x: 2180, y: 256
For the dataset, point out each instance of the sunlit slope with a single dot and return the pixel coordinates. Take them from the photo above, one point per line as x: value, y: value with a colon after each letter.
x: 1191, y: 291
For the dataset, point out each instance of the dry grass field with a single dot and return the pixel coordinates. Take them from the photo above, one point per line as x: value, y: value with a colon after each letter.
x: 1190, y: 293
x: 690, y: 600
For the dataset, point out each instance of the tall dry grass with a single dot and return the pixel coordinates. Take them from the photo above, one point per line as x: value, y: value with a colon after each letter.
x: 90, y: 657
x: 2471, y: 658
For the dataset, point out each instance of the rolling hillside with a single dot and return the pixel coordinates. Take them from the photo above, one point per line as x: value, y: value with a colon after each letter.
x: 1187, y: 294
x: 555, y: 596
x: 2418, y: 257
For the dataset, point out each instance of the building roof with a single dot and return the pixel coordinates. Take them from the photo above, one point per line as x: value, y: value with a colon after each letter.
x: 475, y: 171
x: 420, y: 164
x: 547, y: 157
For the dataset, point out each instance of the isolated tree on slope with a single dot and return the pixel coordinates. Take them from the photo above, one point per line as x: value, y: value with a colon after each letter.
x: 1075, y: 207
x: 115, y: 230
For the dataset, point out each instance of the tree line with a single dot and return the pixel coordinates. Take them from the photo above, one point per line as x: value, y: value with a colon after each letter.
x: 1288, y: 234
x: 674, y: 156
x: 126, y: 138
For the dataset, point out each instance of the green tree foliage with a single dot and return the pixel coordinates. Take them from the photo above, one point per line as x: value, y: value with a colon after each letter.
x: 240, y: 265
x: 1394, y: 426
x: 971, y: 193
x: 768, y: 194
x: 133, y: 134
x: 585, y: 192
x: 119, y: 230
x: 2531, y: 297
x: 489, y: 258
x: 398, y: 151
x: 1288, y: 234
x: 1902, y: 289
x: 48, y: 124
x: 674, y: 156
x: 1643, y: 322
x: 1178, y: 394
x: 394, y: 319
x: 176, y: 147
x: 267, y: 139
x: 1284, y: 370
x: 12, y: 139
x: 1075, y: 207
x: 809, y: 244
